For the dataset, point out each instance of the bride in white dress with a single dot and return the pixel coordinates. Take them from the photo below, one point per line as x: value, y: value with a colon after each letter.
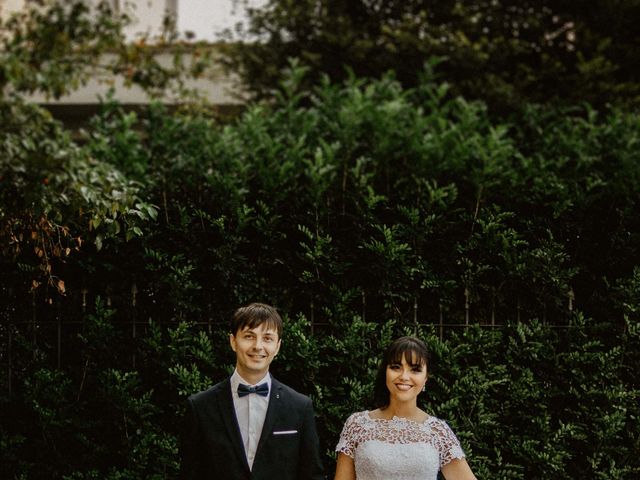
x: 399, y: 441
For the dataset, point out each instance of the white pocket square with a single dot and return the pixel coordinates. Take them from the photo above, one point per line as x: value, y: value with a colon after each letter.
x: 286, y: 432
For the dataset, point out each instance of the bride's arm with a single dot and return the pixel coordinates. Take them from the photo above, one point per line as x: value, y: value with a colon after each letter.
x: 458, y: 469
x: 345, y: 468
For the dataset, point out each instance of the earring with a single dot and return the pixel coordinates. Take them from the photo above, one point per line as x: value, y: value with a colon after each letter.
x: 424, y: 387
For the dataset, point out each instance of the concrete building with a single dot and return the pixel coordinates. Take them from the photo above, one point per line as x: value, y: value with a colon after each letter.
x: 148, y: 17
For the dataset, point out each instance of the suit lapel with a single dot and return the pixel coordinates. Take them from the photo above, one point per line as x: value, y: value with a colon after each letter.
x: 228, y: 411
x: 273, y: 410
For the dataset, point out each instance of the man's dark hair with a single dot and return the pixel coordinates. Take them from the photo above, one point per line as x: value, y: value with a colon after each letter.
x: 415, y: 352
x: 254, y: 315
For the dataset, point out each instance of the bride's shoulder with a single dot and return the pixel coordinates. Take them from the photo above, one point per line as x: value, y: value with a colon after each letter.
x: 433, y: 420
x: 439, y: 426
x: 359, y: 418
x: 364, y: 414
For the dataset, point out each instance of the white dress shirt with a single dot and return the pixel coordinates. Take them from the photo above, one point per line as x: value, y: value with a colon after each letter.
x: 251, y: 411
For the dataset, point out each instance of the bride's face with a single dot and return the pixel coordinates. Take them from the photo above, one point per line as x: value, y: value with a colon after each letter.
x: 405, y: 380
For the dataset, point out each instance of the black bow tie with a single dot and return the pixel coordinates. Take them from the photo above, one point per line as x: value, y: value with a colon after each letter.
x: 262, y: 389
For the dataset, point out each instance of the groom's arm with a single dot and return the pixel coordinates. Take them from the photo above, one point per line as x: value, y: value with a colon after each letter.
x: 191, y: 446
x: 310, y: 464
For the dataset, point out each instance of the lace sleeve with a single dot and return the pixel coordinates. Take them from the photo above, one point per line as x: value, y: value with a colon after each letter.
x: 347, y: 443
x: 447, y: 443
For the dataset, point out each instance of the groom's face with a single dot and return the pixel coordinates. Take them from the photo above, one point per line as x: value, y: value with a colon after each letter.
x: 255, y: 350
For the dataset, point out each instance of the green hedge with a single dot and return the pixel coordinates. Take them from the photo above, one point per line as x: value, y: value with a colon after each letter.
x: 362, y: 211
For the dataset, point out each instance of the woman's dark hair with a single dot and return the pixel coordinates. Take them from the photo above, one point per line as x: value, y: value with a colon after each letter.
x: 415, y: 352
x: 254, y: 315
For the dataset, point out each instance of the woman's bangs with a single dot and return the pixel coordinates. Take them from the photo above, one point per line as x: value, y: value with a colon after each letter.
x: 412, y: 355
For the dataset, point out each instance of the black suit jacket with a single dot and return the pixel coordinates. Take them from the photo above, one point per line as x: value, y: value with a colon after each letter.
x: 212, y: 446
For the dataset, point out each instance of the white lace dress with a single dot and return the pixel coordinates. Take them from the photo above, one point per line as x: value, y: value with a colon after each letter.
x: 398, y: 449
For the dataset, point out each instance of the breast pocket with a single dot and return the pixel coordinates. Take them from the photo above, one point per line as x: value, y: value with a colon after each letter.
x: 285, y: 443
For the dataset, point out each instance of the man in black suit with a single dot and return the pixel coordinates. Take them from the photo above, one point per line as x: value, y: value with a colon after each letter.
x: 250, y: 426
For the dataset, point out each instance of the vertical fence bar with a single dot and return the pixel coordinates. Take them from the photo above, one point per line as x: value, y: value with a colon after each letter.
x: 466, y: 306
x: 493, y: 307
x: 84, y: 299
x: 493, y: 311
x: 33, y: 323
x: 441, y: 319
x: 572, y: 298
x: 415, y: 312
x: 134, y: 294
x: 10, y: 359
x: 313, y: 316
x: 364, y: 305
x: 58, y: 335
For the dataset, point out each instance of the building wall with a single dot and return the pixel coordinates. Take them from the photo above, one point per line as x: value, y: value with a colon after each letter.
x: 218, y: 88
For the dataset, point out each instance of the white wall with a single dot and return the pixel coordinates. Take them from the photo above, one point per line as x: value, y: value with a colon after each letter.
x: 148, y: 15
x: 9, y: 6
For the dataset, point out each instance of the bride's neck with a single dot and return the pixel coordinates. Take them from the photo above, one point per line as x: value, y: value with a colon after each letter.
x: 404, y: 410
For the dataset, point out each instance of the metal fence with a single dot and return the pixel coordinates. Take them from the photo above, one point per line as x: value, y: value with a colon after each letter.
x: 51, y: 322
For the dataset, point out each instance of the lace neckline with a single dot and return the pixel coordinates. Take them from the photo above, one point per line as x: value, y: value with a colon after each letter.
x: 395, y: 419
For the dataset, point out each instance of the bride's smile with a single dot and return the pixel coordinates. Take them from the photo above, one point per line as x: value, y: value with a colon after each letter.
x: 405, y: 379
